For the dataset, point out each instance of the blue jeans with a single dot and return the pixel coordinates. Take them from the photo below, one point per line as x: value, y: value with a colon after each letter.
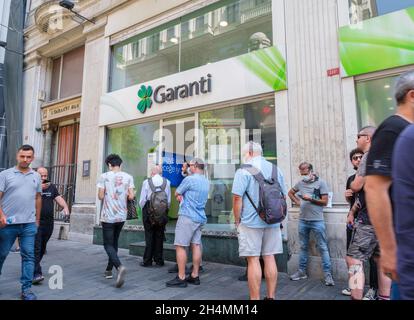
x: 318, y: 228
x: 395, y: 292
x: 27, y: 233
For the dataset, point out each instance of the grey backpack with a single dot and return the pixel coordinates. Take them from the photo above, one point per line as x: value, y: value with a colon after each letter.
x: 158, y: 203
x: 272, y: 204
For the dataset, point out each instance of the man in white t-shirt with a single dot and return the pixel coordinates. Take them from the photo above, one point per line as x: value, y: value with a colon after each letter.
x: 114, y: 188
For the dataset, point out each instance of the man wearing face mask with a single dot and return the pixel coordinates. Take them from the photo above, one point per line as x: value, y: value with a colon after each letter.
x: 313, y: 196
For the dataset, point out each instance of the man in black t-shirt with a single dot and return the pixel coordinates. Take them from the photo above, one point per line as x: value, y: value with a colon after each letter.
x: 45, y: 229
x: 379, y: 168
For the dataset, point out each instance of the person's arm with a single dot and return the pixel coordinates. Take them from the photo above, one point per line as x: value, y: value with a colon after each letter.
x: 292, y: 195
x: 169, y: 193
x: 380, y: 213
x: 131, y: 194
x: 351, y: 214
x: 143, y: 195
x: 322, y: 202
x: 101, y: 193
x: 2, y: 215
x: 62, y: 203
x: 38, y: 207
x: 358, y: 183
x: 237, y: 207
x: 182, y: 188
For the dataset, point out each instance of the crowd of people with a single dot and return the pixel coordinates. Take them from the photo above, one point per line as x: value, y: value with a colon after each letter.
x: 379, y: 224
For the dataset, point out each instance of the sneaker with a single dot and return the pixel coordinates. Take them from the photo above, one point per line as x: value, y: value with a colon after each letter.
x: 266, y: 298
x: 243, y: 277
x: 176, y: 282
x: 120, y: 279
x: 298, y: 275
x: 329, y: 281
x: 370, y: 295
x: 28, y: 295
x: 38, y: 278
x: 192, y: 280
x: 108, y: 274
x: 346, y: 292
x: 145, y: 265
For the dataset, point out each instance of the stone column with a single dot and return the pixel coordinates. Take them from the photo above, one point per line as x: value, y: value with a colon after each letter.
x: 47, y: 149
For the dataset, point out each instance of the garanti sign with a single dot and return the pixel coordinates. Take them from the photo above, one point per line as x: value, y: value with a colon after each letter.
x: 161, y: 94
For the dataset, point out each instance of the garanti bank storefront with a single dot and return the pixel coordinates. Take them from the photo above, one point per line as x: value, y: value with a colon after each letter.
x: 199, y: 86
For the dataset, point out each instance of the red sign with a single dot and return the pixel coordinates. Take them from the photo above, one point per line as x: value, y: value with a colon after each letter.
x: 333, y: 72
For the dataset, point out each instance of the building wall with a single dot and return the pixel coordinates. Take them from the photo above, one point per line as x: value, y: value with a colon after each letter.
x: 316, y: 118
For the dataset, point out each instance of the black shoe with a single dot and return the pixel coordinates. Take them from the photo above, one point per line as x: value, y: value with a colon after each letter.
x: 159, y: 264
x: 192, y: 280
x: 243, y: 277
x: 266, y: 298
x: 146, y: 265
x: 176, y: 282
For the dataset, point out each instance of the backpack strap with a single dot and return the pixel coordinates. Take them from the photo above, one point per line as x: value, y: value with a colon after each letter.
x: 164, y: 184
x: 259, y: 178
x: 151, y: 184
x: 275, y: 178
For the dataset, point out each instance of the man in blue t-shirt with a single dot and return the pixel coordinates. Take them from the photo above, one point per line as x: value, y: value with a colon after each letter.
x: 256, y: 237
x: 20, y: 204
x: 192, y: 194
x: 403, y: 200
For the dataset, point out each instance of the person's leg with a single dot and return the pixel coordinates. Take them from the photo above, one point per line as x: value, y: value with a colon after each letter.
x: 254, y: 277
x: 181, y: 254
x: 27, y: 243
x: 356, y: 278
x: 270, y: 272
x: 158, y: 240
x: 149, y: 238
x: 196, y: 251
x: 8, y: 235
x: 384, y: 284
x: 304, y: 231
x: 38, y: 251
x: 117, y: 232
x: 373, y: 274
x: 319, y: 230
x: 108, y: 238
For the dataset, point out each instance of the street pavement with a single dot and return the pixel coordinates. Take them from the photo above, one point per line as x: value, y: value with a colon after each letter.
x: 83, y: 266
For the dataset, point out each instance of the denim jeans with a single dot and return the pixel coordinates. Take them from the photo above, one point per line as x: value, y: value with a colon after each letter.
x: 111, y: 232
x: 318, y: 228
x: 27, y: 233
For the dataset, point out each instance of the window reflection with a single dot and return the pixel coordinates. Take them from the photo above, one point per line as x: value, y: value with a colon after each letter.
x: 360, y: 10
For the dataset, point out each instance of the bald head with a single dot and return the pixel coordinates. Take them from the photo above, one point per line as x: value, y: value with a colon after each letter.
x: 43, y: 173
x: 156, y: 170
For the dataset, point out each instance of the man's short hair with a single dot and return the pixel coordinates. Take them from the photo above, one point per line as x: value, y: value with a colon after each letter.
x: 354, y: 152
x: 113, y: 160
x: 26, y: 147
x: 307, y: 164
x: 198, y: 163
x: 405, y: 83
x: 369, y: 130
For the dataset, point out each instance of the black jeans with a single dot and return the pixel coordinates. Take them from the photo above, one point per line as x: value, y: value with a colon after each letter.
x: 373, y: 274
x: 44, y: 232
x: 111, y: 232
x: 154, y: 238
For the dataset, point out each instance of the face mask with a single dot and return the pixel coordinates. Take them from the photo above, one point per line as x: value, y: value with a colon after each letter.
x: 184, y: 174
x: 308, y: 178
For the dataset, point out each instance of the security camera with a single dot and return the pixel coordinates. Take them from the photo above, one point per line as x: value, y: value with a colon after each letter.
x: 67, y: 4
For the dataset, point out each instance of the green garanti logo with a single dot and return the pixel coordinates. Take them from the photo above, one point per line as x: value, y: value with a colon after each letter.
x: 145, y: 94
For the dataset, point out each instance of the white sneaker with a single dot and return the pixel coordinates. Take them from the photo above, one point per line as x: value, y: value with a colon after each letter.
x: 298, y: 275
x: 370, y: 295
x: 346, y: 292
x: 120, y: 279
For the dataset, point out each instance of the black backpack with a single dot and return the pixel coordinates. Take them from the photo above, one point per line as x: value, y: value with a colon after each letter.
x: 272, y: 204
x: 158, y: 203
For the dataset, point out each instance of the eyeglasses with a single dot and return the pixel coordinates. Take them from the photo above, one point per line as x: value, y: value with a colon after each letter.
x: 359, y: 135
x: 355, y: 158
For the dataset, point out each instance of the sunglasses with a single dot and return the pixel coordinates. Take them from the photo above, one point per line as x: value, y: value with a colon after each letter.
x: 356, y: 158
x: 361, y: 135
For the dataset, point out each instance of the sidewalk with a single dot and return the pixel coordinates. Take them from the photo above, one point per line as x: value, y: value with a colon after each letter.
x: 83, y: 266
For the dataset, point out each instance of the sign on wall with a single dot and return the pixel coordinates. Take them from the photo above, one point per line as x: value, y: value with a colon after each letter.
x: 376, y: 44
x: 257, y: 72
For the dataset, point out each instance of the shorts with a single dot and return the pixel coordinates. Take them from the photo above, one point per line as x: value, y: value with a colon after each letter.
x: 187, y: 231
x: 256, y: 242
x: 364, y: 243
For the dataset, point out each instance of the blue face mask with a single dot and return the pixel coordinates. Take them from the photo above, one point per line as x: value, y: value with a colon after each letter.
x: 308, y: 178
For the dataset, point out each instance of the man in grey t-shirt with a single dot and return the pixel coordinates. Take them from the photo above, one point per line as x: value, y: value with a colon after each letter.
x: 313, y: 196
x: 20, y: 204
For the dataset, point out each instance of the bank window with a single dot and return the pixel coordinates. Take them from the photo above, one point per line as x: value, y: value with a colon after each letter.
x: 222, y: 30
x: 67, y: 75
x: 375, y: 99
x: 360, y: 10
x: 136, y: 146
